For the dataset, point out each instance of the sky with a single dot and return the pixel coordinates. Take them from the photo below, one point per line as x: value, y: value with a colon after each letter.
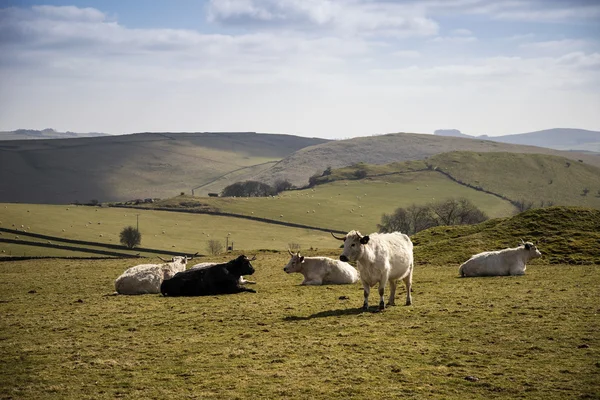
x: 333, y: 69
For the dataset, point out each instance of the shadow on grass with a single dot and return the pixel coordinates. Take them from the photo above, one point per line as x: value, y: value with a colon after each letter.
x: 331, y: 313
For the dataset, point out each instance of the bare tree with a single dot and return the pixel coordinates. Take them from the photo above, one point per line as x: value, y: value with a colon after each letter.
x: 294, y: 247
x: 214, y: 247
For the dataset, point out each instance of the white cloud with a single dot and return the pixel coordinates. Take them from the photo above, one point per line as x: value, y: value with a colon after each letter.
x: 556, y: 45
x: 354, y: 17
x: 343, y: 69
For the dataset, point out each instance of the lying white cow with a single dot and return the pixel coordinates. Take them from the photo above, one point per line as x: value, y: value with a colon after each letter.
x: 502, y: 262
x: 381, y: 258
x: 321, y: 270
x: 242, y: 280
x: 147, y: 278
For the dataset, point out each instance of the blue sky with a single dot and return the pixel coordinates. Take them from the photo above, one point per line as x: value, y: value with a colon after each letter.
x: 333, y: 69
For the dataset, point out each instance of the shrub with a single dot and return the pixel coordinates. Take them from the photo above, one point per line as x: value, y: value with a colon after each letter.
x: 248, y: 189
x: 130, y: 237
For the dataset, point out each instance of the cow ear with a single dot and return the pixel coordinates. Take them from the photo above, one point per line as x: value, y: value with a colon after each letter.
x: 302, y: 259
x: 527, y: 246
x: 364, y: 240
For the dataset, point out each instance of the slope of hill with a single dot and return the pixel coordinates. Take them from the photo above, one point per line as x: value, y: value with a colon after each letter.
x: 346, y: 205
x: 27, y: 134
x: 536, y: 178
x: 557, y: 138
x: 564, y: 234
x: 385, y: 149
x: 144, y: 165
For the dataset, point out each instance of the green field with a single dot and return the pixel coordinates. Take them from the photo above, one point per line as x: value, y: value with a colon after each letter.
x: 532, y: 177
x: 352, y: 204
x: 183, y: 232
x: 528, y: 337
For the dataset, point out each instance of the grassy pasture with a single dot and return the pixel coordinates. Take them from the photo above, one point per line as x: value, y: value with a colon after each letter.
x: 529, y: 337
x: 532, y: 177
x: 188, y: 233
x: 353, y: 204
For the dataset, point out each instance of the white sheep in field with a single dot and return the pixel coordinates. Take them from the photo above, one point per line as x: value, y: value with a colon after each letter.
x: 147, y: 278
x: 321, y: 270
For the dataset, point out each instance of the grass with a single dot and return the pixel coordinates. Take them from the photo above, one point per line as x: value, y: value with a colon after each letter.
x: 564, y: 235
x: 526, y: 337
x: 187, y: 233
x: 350, y: 204
x: 532, y: 177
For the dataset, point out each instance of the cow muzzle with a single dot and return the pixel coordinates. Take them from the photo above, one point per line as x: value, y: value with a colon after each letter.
x: 344, y: 258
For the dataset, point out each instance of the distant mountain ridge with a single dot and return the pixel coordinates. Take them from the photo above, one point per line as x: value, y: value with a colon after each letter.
x: 556, y: 138
x: 49, y: 133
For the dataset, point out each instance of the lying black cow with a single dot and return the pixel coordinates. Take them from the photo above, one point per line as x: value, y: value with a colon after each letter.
x: 217, y: 279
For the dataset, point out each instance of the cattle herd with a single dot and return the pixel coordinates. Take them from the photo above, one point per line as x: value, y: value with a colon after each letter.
x: 381, y: 258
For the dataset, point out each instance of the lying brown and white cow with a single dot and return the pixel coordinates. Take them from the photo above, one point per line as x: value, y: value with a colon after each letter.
x: 510, y: 261
x: 321, y: 270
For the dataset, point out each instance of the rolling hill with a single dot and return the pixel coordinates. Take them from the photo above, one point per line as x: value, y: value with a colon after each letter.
x: 299, y: 166
x: 163, y: 165
x: 144, y: 165
x: 32, y: 134
x: 557, y: 138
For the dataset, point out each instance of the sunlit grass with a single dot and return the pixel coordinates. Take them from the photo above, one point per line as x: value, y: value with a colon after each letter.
x: 534, y: 336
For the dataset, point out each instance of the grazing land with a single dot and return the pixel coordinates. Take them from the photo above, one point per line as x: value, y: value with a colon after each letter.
x: 528, y: 337
x: 352, y: 204
x: 179, y: 232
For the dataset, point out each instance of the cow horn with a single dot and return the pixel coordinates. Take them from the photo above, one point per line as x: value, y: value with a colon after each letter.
x: 162, y: 259
x: 522, y: 241
x: 344, y: 238
x: 192, y: 256
x: 291, y: 254
x: 253, y: 258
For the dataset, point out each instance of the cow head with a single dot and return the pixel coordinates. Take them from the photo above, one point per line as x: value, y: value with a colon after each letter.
x: 241, y: 266
x: 177, y: 260
x: 295, y: 263
x: 354, y: 244
x: 531, y: 249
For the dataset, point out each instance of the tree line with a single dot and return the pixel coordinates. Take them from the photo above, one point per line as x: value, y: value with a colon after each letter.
x: 416, y: 218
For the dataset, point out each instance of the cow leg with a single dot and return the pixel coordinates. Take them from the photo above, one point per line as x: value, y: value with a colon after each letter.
x: 367, y: 289
x: 381, y: 291
x: 392, y: 300
x: 408, y: 283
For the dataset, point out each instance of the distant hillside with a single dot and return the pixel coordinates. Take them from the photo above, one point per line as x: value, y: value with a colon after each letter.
x: 536, y: 178
x: 564, y: 234
x: 144, y: 165
x: 558, y: 138
x: 299, y: 166
x: 26, y: 134
x: 452, y: 133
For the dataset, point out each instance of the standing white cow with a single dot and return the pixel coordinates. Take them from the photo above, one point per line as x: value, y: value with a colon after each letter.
x: 147, y: 278
x: 510, y: 261
x: 242, y: 280
x: 380, y: 258
x: 321, y: 270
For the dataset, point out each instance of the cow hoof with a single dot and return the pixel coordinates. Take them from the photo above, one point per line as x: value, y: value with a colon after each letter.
x: 390, y: 304
x: 382, y: 306
x: 365, y: 308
